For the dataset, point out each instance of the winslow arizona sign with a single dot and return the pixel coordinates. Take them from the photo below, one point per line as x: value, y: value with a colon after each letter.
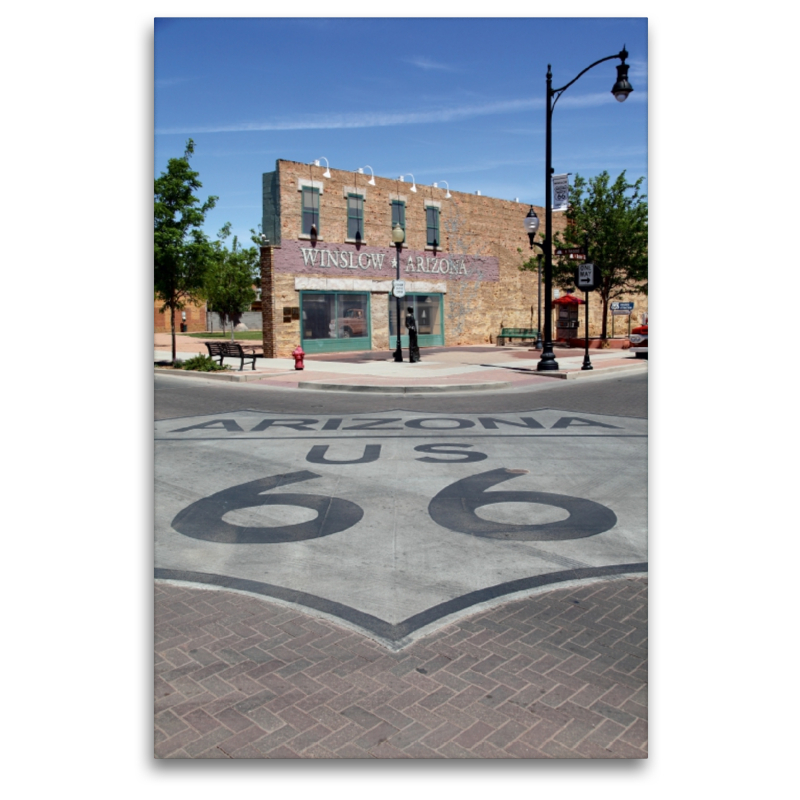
x: 395, y: 523
x: 342, y: 260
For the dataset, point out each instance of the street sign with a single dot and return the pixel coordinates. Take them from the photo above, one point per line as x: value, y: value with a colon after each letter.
x: 560, y: 192
x: 572, y: 253
x: 399, y: 288
x: 587, y: 277
x: 620, y: 309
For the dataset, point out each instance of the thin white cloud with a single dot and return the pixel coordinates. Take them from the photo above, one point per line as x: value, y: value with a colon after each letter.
x: 378, y: 119
x: 638, y: 69
x: 426, y: 63
x: 374, y: 119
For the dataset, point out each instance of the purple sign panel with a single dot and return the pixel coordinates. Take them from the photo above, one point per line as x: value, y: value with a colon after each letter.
x: 301, y: 258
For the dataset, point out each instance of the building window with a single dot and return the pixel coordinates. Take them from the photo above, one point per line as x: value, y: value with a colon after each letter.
x: 310, y: 210
x: 429, y: 313
x: 432, y: 226
x: 335, y: 315
x: 355, y: 217
x: 399, y: 214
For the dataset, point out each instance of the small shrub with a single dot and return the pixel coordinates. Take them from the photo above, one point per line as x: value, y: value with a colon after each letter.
x: 201, y: 364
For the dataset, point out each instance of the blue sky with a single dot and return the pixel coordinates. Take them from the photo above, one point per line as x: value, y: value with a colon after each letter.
x: 455, y: 100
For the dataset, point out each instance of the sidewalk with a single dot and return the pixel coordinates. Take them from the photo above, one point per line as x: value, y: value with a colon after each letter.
x: 561, y: 674
x: 442, y: 369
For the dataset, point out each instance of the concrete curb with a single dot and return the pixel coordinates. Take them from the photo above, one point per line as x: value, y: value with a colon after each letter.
x: 596, y: 372
x: 354, y: 387
x: 235, y: 377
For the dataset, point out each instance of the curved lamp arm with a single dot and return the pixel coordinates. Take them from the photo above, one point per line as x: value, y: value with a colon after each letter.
x: 556, y: 93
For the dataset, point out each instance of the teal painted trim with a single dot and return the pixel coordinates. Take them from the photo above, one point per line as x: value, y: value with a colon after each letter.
x: 432, y: 211
x: 399, y: 215
x: 271, y: 207
x: 336, y: 345
x: 443, y: 298
x: 358, y: 216
x: 423, y: 340
x: 310, y: 213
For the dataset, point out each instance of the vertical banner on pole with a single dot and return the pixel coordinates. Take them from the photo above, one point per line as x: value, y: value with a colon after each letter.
x: 560, y: 192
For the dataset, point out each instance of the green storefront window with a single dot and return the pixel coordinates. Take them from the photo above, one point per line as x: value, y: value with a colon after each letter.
x: 429, y: 313
x: 335, y: 321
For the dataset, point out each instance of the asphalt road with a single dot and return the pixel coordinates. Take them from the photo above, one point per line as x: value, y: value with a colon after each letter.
x: 618, y: 396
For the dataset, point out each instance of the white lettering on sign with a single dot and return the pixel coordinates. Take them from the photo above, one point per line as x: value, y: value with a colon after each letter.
x: 585, y: 274
x: 310, y: 256
x: 310, y: 259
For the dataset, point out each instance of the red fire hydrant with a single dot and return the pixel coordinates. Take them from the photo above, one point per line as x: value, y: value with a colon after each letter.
x: 298, y: 357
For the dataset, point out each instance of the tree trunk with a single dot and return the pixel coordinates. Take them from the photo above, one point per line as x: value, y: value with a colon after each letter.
x: 172, y: 324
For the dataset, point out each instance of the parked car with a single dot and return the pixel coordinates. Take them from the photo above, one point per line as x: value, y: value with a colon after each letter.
x: 352, y: 323
x: 639, y: 341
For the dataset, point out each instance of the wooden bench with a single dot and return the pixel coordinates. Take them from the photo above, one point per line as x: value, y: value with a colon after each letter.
x: 234, y: 350
x: 516, y: 333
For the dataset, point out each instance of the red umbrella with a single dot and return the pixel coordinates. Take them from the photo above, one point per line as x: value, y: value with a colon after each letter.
x: 568, y: 300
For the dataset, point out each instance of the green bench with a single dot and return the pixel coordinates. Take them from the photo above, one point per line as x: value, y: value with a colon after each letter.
x: 516, y: 333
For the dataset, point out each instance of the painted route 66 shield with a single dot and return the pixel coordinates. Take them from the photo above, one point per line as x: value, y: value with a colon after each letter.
x: 395, y: 523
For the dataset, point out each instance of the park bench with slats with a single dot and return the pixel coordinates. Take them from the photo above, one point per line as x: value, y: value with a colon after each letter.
x: 233, y: 350
x: 516, y: 333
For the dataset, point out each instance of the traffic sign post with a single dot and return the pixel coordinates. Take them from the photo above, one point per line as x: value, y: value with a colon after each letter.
x: 621, y: 309
x: 399, y: 289
x: 587, y: 277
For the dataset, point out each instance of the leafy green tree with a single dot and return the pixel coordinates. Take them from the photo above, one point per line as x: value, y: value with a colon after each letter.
x: 182, y: 252
x: 612, y: 218
x: 230, y: 280
x: 257, y: 236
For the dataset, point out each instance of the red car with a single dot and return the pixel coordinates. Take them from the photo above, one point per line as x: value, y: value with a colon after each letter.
x: 639, y: 341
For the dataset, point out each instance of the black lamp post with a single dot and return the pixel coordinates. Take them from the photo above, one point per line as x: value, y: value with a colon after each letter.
x: 531, y: 226
x: 621, y: 90
x: 398, y: 234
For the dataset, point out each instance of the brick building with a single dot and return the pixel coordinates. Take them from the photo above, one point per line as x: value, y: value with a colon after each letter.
x: 195, y: 318
x: 327, y: 269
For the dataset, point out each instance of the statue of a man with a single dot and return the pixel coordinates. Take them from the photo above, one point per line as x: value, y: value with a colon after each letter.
x: 411, y: 327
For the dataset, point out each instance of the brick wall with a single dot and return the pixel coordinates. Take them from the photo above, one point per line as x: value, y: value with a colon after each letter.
x: 195, y: 318
x: 470, y: 225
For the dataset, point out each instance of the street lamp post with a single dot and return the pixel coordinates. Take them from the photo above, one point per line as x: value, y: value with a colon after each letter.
x: 397, y: 237
x: 621, y: 90
x: 531, y: 226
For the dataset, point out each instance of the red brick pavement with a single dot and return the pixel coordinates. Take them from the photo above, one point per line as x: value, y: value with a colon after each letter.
x: 561, y: 674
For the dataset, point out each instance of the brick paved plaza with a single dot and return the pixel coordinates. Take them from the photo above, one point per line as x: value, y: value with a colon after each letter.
x: 559, y: 674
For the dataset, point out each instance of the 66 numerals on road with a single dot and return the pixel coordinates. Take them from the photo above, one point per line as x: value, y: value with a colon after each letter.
x: 453, y: 508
